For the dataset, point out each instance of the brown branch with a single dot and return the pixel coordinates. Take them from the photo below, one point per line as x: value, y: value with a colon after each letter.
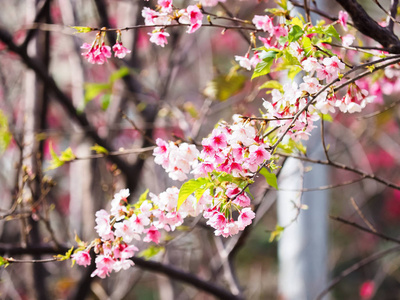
x: 66, y: 103
x: 393, y: 13
x: 369, y: 27
x: 360, y: 213
x: 373, y: 232
x: 355, y: 267
x: 344, y: 167
x: 168, y: 270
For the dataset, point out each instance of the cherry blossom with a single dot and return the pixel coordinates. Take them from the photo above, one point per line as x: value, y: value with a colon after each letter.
x: 120, y: 51
x: 159, y: 37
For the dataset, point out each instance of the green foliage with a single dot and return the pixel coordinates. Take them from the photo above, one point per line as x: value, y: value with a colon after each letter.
x: 223, y: 87
x: 272, y: 84
x: 150, y: 252
x: 4, y: 262
x: 269, y: 177
x: 99, y: 149
x: 295, y: 33
x: 57, y: 161
x: 291, y: 146
x: 197, y: 186
x: 67, y: 255
x: 93, y: 90
x: 5, y: 135
x: 81, y: 29
x: 276, y: 234
x: 264, y: 67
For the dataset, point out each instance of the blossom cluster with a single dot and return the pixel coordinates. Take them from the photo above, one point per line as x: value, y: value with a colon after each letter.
x: 143, y: 222
x: 165, y: 15
x: 237, y: 149
x: 98, y: 52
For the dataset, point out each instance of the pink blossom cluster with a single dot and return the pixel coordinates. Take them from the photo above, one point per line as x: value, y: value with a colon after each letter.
x: 165, y: 14
x: 98, y: 52
x: 143, y: 221
x: 177, y: 160
x: 238, y: 149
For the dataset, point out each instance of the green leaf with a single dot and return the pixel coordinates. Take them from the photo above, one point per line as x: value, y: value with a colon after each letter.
x: 191, y: 187
x: 4, y: 262
x: 269, y: 177
x: 99, y: 149
x: 282, y: 3
x: 272, y: 84
x: 327, y: 117
x: 296, y: 21
x: 150, y: 252
x: 293, y: 71
x: 289, y: 59
x: 331, y: 31
x: 5, y: 135
x: 81, y: 29
x: 295, y: 33
x: 56, y: 161
x: 92, y: 90
x: 124, y: 71
x: 143, y: 196
x: 105, y: 101
x: 276, y: 234
x: 307, y: 45
x: 67, y: 255
x: 67, y: 155
x: 223, y: 87
x: 264, y: 67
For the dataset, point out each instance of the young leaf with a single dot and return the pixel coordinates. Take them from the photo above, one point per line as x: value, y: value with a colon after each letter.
x: 5, y: 135
x: 143, y: 196
x: 295, y: 33
x: 150, y: 252
x: 276, y: 234
x: 4, y: 262
x: 272, y: 84
x: 92, y: 90
x: 67, y: 255
x: 269, y: 177
x: 224, y: 86
x: 56, y: 161
x: 81, y: 29
x: 190, y: 187
x: 67, y: 155
x: 331, y: 31
x: 124, y: 71
x: 99, y: 149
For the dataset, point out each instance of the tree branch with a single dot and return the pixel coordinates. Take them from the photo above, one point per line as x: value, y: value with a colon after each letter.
x: 368, y: 26
x: 170, y: 271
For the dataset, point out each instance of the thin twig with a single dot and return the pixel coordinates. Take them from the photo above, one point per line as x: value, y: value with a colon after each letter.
x: 355, y: 267
x: 344, y: 167
x: 359, y: 212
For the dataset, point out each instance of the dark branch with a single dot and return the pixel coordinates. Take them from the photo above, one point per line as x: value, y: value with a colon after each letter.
x: 170, y: 271
x: 368, y: 26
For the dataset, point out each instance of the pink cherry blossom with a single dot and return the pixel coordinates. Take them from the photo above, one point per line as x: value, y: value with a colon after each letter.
x: 153, y: 235
x: 166, y: 5
x: 120, y: 51
x: 333, y: 65
x: 159, y: 37
x: 245, y: 218
x: 82, y: 258
x: 264, y: 23
x: 343, y: 16
x: 244, y: 61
